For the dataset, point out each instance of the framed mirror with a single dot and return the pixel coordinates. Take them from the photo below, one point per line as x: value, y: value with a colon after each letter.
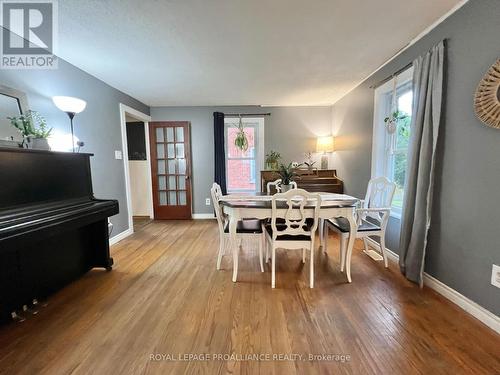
x: 12, y: 103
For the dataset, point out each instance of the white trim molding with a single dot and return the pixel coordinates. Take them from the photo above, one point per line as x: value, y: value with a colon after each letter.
x: 120, y: 236
x: 124, y: 109
x: 469, y: 306
x: 203, y: 216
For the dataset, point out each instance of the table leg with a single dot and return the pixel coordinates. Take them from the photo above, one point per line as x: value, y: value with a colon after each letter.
x: 234, y: 245
x: 353, y: 228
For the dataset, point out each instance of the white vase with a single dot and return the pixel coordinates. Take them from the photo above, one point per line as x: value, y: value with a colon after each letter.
x: 40, y: 144
x: 285, y: 188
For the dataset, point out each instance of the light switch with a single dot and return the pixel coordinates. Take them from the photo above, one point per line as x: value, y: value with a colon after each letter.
x: 118, y: 155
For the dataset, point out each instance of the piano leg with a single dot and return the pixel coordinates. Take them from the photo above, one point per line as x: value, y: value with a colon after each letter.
x: 99, y: 246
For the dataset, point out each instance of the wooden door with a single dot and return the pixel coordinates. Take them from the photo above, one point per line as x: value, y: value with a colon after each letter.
x: 171, y: 169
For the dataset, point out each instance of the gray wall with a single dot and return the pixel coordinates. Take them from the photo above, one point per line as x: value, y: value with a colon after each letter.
x: 463, y: 241
x: 289, y: 130
x: 98, y: 126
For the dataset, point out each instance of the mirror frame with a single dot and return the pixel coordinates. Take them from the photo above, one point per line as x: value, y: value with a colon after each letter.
x: 22, y: 102
x: 20, y: 96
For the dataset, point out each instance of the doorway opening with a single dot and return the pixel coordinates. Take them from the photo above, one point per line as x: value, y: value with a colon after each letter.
x: 137, y: 166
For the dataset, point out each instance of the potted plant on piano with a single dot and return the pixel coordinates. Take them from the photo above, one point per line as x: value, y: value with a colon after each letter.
x: 272, y: 160
x: 34, y: 130
x: 287, y: 174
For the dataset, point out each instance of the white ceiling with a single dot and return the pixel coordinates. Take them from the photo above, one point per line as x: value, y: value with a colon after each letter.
x: 238, y: 52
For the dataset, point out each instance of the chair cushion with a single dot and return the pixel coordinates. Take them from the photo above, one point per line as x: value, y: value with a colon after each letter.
x: 246, y: 226
x: 342, y: 224
x: 286, y: 237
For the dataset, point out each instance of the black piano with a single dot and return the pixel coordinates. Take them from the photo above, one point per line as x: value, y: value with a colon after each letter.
x: 52, y: 229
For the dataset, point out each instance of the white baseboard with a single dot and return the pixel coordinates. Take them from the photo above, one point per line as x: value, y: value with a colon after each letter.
x: 120, y: 236
x: 203, y: 216
x: 471, y: 307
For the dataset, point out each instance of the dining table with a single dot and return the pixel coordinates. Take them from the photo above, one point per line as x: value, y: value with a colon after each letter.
x: 259, y: 206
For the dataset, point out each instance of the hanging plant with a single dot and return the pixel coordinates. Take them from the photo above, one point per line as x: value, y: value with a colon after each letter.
x: 391, y: 122
x: 241, y: 140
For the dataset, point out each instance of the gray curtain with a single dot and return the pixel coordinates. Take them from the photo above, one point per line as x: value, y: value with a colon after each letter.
x: 416, y: 217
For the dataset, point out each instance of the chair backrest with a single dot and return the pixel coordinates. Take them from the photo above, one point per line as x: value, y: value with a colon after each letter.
x: 216, y: 193
x: 379, y: 194
x: 277, y: 185
x: 291, y: 207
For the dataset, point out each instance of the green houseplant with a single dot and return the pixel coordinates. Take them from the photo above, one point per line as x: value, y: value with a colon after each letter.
x: 287, y: 174
x: 241, y: 140
x: 272, y: 159
x: 309, y: 163
x: 33, y: 128
x: 391, y: 122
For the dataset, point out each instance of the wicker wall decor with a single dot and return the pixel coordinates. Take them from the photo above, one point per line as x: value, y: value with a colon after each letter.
x: 487, y: 97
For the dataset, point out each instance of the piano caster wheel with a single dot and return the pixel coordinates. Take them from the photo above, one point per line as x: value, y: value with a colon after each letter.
x: 31, y: 310
x: 109, y: 266
x: 37, y: 303
x: 16, y: 317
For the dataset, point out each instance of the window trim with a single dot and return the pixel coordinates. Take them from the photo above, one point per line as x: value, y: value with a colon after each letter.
x: 380, y: 150
x: 258, y: 124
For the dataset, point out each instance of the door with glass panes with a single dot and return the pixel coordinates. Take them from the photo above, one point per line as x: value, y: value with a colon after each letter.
x: 171, y: 169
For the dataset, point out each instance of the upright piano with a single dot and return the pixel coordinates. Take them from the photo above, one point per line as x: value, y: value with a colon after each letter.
x: 314, y: 180
x: 52, y: 229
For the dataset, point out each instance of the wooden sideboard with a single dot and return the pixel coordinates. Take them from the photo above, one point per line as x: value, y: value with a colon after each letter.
x: 315, y: 180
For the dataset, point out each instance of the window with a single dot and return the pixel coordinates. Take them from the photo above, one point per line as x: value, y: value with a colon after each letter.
x: 390, y: 150
x: 243, y: 167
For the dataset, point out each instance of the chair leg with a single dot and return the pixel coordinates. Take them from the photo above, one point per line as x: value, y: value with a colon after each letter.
x: 325, y: 238
x: 321, y: 230
x: 222, y: 245
x: 343, y: 249
x: 267, y: 251
x: 273, y: 267
x: 311, y: 266
x: 261, y: 239
x: 382, y: 248
x: 365, y: 242
x: 303, y: 255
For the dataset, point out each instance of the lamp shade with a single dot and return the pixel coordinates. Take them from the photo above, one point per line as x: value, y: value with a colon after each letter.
x: 69, y: 104
x: 325, y: 144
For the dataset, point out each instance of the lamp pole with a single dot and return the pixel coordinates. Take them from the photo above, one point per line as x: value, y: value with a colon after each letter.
x: 71, y: 115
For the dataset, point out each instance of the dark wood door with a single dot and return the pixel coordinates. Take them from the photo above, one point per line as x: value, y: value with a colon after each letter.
x: 171, y: 169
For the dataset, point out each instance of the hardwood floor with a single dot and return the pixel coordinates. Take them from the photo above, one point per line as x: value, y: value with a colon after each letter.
x: 165, y: 297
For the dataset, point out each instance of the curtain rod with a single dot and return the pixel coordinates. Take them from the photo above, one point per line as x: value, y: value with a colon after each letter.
x: 387, y: 79
x: 246, y: 114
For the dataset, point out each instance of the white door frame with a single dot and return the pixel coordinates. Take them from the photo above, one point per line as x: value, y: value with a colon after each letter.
x: 124, y: 109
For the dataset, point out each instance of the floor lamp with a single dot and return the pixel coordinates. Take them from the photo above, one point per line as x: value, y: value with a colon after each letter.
x: 71, y: 106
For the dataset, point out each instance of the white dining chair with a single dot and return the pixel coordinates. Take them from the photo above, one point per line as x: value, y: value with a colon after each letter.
x: 277, y: 185
x: 293, y: 231
x: 248, y: 228
x: 371, y: 218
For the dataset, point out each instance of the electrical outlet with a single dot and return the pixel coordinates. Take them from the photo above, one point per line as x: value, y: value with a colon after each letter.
x: 207, y: 201
x: 495, y: 276
x: 118, y: 155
